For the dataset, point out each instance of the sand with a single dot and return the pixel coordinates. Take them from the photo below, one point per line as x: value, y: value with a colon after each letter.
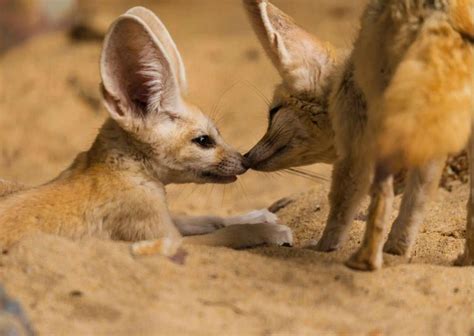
x: 50, y: 110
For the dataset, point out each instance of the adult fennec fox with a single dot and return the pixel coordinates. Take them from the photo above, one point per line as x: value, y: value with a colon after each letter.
x: 402, y: 98
x: 153, y: 137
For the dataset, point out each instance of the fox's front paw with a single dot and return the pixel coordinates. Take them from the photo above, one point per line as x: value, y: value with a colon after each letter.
x: 275, y: 234
x: 262, y: 216
x: 164, y: 246
x: 365, y: 260
x: 327, y: 243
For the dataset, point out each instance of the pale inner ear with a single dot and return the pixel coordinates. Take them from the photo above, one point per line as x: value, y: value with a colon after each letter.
x: 302, y: 60
x: 162, y: 34
x: 154, y: 87
x: 136, y: 72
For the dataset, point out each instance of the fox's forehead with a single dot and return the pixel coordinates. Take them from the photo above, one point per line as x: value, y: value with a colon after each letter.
x: 197, y: 120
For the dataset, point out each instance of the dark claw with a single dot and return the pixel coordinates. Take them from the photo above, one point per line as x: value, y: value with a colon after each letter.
x: 280, y: 204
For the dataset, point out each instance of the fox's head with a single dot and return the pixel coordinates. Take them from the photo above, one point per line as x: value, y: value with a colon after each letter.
x: 299, y: 129
x: 143, y: 85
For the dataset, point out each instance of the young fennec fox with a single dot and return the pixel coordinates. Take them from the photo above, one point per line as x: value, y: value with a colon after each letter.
x: 153, y: 137
x: 402, y: 98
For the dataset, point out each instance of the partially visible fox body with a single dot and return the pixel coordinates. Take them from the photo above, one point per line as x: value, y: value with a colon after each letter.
x: 153, y: 137
x: 402, y: 98
x: 414, y: 63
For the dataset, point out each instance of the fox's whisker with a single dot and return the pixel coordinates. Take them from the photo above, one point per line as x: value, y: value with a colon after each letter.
x: 309, y: 173
x: 223, y: 195
x: 244, y: 192
x: 210, y: 192
x: 216, y: 109
x: 306, y: 174
x: 258, y: 92
x: 299, y: 175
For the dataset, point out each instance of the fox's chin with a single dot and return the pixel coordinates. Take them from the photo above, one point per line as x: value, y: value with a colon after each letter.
x: 273, y: 163
x: 268, y: 166
x: 210, y: 177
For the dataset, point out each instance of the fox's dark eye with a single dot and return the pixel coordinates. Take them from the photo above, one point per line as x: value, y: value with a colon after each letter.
x: 204, y: 141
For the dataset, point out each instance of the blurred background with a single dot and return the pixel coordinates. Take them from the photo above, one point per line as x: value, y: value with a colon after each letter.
x: 50, y: 107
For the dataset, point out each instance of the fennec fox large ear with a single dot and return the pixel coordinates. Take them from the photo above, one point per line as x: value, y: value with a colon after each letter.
x: 138, y: 77
x: 302, y: 60
x: 160, y: 32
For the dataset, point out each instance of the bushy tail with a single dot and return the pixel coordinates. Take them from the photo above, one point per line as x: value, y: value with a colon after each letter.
x: 429, y: 103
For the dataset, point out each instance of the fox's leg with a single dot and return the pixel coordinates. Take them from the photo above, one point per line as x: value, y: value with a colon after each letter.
x: 189, y: 226
x: 421, y: 183
x: 350, y: 180
x: 254, y: 228
x: 245, y: 235
x: 234, y: 236
x: 467, y: 258
x: 369, y: 256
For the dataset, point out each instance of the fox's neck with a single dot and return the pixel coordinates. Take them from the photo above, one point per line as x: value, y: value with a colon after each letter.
x: 119, y: 152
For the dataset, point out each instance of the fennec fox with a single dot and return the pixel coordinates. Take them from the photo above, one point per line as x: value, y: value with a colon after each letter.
x: 153, y: 137
x: 402, y: 98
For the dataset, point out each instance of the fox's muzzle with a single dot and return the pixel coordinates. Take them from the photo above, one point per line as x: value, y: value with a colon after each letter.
x: 261, y: 155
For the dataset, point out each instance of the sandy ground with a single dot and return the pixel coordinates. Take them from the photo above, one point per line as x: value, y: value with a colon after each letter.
x: 50, y: 110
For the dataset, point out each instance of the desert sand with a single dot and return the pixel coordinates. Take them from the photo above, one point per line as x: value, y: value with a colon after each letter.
x: 50, y: 110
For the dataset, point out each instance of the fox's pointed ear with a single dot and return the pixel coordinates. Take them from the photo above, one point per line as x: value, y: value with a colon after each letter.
x: 302, y: 60
x: 138, y: 78
x: 162, y: 34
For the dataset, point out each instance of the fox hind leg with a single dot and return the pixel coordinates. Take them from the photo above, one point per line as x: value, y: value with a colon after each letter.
x: 421, y: 183
x: 467, y: 258
x: 166, y: 246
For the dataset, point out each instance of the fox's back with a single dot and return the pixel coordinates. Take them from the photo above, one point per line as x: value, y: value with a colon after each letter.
x: 414, y: 63
x: 72, y: 207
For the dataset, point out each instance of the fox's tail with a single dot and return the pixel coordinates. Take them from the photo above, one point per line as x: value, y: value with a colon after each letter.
x: 429, y: 103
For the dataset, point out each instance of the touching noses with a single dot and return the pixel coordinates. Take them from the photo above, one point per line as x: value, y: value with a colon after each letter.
x: 246, y: 161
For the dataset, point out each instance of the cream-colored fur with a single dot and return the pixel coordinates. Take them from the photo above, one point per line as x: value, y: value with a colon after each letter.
x: 402, y: 98
x: 153, y: 137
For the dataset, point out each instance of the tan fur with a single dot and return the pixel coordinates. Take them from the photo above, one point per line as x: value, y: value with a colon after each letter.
x: 427, y: 61
x: 8, y: 187
x: 403, y: 97
x: 116, y: 190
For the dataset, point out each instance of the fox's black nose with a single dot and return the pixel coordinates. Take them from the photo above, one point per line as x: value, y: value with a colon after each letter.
x: 246, y: 161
